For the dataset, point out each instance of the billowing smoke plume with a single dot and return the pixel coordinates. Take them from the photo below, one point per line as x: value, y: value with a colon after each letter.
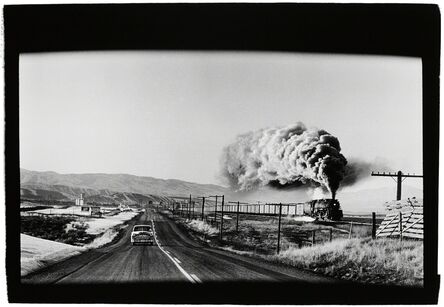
x: 285, y: 157
x: 357, y: 169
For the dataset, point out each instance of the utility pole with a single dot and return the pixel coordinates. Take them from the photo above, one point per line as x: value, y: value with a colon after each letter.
x: 215, y: 206
x: 237, y: 212
x: 215, y: 210
x: 203, y: 207
x: 279, y: 229
x: 222, y: 218
x: 400, y: 177
x: 373, y: 225
x: 189, y: 208
x: 237, y: 217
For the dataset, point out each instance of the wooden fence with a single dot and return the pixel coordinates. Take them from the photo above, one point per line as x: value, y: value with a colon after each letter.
x: 401, y: 224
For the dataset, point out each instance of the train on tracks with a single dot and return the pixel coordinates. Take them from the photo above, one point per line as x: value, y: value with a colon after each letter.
x: 323, y: 209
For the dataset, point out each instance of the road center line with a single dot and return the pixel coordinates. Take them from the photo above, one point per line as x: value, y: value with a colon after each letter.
x: 196, y: 278
x: 177, y: 260
x: 188, y: 276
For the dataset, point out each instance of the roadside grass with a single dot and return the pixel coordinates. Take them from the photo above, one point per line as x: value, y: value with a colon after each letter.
x: 359, y: 259
x: 381, y: 261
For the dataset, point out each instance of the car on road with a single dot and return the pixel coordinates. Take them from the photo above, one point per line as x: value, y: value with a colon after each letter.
x: 142, y: 234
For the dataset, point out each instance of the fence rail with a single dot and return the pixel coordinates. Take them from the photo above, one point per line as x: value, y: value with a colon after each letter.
x: 401, y: 224
x: 214, y: 210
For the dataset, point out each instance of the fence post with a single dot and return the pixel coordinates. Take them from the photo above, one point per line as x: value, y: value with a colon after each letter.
x: 215, y: 209
x: 350, y: 232
x: 203, y: 207
x: 222, y: 218
x: 331, y: 235
x: 313, y: 238
x: 189, y: 208
x: 400, y: 225
x: 373, y: 225
x: 279, y: 228
x: 237, y: 217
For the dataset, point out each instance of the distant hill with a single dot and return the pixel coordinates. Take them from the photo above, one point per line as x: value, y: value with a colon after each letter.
x: 107, y: 187
x: 116, y: 188
x: 61, y: 192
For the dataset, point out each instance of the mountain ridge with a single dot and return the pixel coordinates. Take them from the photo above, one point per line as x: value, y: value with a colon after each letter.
x: 126, y: 188
x: 101, y: 183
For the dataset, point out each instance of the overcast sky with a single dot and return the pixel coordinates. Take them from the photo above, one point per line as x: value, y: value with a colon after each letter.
x: 169, y: 114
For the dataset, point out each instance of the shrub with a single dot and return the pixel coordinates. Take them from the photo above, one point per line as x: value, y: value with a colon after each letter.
x: 54, y: 228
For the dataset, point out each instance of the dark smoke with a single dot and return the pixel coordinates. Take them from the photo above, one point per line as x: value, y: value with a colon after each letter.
x: 357, y: 169
x: 287, y: 186
x: 288, y: 157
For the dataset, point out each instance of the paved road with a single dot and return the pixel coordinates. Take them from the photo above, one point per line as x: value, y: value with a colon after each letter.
x: 177, y: 257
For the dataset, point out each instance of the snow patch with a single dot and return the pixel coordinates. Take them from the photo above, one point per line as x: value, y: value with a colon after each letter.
x: 303, y: 219
x: 202, y: 227
x: 37, y: 253
x: 28, y: 204
x: 77, y: 210
x: 105, y: 238
x: 101, y: 225
x: 235, y: 251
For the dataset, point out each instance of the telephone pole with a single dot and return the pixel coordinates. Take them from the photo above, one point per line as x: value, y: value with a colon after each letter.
x: 203, y: 207
x: 215, y: 205
x: 400, y: 177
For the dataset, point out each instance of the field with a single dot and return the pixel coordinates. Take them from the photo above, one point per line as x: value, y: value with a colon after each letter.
x: 71, y: 226
x: 336, y: 251
x: 55, y: 229
x: 259, y: 233
x: 381, y: 261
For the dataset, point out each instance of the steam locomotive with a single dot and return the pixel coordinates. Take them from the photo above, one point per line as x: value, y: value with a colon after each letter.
x: 323, y: 209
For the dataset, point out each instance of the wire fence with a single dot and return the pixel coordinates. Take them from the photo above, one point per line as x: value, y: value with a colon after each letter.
x: 264, y: 227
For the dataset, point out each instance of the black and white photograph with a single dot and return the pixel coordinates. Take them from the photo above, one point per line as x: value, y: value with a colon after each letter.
x: 220, y: 166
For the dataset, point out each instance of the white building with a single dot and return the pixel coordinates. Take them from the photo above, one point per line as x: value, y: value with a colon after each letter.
x: 80, y: 201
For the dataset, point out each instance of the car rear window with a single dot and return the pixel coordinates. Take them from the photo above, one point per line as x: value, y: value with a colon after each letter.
x: 142, y: 228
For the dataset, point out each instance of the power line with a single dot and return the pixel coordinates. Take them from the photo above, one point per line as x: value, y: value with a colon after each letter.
x: 400, y: 177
